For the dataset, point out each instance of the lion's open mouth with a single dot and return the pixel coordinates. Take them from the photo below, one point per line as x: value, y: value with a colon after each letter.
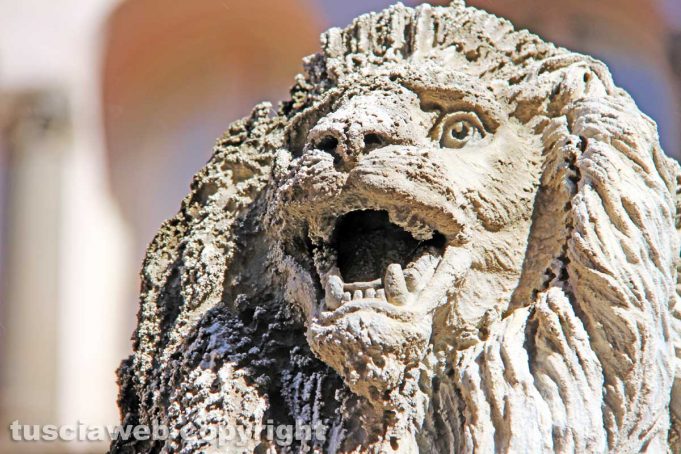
x: 377, y: 260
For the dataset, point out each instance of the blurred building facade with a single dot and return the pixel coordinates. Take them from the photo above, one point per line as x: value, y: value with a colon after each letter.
x: 108, y: 107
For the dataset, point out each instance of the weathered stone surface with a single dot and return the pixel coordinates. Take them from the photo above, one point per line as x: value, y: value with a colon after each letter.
x: 454, y: 237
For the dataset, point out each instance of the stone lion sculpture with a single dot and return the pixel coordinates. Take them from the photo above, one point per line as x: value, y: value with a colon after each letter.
x: 454, y: 237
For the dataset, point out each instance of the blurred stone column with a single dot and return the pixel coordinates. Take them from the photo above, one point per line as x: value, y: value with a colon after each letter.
x: 36, y: 135
x: 61, y: 312
x: 66, y: 247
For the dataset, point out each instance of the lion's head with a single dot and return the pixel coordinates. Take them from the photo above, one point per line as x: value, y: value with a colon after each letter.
x: 474, y: 229
x: 403, y: 216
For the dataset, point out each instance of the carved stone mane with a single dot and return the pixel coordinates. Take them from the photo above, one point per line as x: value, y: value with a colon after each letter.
x: 454, y: 237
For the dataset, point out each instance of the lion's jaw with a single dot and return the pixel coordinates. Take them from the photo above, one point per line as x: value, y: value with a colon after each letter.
x: 372, y: 330
x: 381, y: 285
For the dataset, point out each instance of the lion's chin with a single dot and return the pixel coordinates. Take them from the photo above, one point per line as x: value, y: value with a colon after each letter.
x: 369, y: 349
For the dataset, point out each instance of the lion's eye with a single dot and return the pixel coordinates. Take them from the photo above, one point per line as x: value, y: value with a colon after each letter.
x: 460, y: 129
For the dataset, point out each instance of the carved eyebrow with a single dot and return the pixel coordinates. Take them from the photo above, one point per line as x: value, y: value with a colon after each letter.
x: 456, y: 93
x: 450, y: 100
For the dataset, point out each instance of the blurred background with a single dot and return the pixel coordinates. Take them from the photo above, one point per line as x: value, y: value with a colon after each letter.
x: 107, y: 109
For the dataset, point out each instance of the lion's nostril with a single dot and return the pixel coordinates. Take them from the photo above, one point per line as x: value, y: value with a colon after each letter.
x: 373, y: 141
x: 328, y: 144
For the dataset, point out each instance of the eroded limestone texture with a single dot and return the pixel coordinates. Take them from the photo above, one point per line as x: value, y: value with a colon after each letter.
x: 454, y: 237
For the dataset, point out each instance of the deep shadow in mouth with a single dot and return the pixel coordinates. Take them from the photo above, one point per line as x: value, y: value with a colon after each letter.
x: 366, y: 242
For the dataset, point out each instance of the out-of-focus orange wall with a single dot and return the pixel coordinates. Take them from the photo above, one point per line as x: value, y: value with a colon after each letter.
x: 173, y: 79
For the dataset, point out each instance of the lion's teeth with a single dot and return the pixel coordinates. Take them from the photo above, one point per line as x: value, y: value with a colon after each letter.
x: 337, y: 292
x: 427, y: 264
x: 412, y: 277
x: 419, y: 272
x: 333, y: 292
x: 395, y: 286
x: 352, y: 286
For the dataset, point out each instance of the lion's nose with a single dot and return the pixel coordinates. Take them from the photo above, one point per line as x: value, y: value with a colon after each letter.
x: 347, y: 144
x: 350, y: 146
